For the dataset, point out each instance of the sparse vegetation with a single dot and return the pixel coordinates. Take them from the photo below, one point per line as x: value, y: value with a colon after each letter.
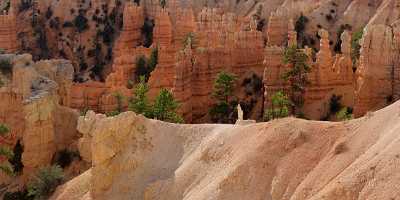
x: 334, y: 104
x: 144, y: 66
x: 338, y: 45
x: 163, y: 3
x: 45, y: 182
x: 147, y: 32
x: 25, y: 5
x: 81, y: 22
x: 119, y: 98
x: 300, y: 27
x: 279, y: 107
x: 5, y: 152
x: 296, y: 76
x: 189, y: 40
x: 356, y: 46
x: 345, y: 114
x: 5, y: 66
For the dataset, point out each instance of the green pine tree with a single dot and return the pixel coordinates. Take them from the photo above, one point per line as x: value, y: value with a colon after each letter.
x: 140, y: 103
x: 223, y: 91
x: 165, y: 107
x: 297, y: 75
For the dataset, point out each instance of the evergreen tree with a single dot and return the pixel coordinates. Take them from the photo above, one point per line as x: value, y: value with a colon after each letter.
x: 153, y: 61
x: 224, y: 86
x: 223, y: 91
x: 165, y: 107
x: 141, y: 67
x: 297, y: 75
x: 140, y: 103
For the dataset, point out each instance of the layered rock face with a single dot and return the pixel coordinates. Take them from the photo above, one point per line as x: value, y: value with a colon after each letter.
x: 32, y: 106
x: 136, y: 158
x: 198, y: 39
x: 378, y: 77
x: 8, y: 31
x: 330, y: 75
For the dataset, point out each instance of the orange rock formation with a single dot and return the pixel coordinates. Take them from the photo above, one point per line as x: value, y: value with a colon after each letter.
x: 8, y: 31
x: 31, y: 106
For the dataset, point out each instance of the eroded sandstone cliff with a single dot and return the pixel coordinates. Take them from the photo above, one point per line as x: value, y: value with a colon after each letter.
x: 34, y: 96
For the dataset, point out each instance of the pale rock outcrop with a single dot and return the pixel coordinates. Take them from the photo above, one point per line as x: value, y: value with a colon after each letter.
x: 375, y: 72
x: 283, y: 159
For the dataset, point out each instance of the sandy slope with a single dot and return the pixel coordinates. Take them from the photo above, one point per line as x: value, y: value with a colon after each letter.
x: 281, y: 160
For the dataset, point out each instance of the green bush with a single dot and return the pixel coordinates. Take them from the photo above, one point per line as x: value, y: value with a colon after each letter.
x: 144, y: 66
x: 6, y: 152
x: 4, y: 130
x: 141, y: 67
x: 345, y: 114
x: 25, y: 5
x: 300, y: 27
x: 45, y: 182
x: 279, y: 107
x: 334, y: 104
x: 81, y: 23
x: 165, y: 107
x: 140, y: 103
x: 356, y: 46
x: 17, y: 195
x: 147, y: 32
x: 5, y: 66
x: 16, y: 160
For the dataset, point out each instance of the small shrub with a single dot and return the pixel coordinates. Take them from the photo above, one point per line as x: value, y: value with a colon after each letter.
x: 81, y: 23
x: 165, y: 107
x: 5, y: 152
x: 49, y: 13
x: 147, y: 32
x: 16, y: 160
x: 356, y: 46
x: 5, y: 66
x: 4, y: 130
x: 163, y: 3
x: 45, y: 182
x: 25, y: 5
x: 334, y: 103
x: 345, y: 114
x: 68, y: 24
x: 17, y: 195
x: 140, y: 103
x: 141, y: 67
x: 279, y: 107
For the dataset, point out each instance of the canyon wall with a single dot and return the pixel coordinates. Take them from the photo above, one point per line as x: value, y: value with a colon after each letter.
x: 197, y: 40
x: 33, y: 100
